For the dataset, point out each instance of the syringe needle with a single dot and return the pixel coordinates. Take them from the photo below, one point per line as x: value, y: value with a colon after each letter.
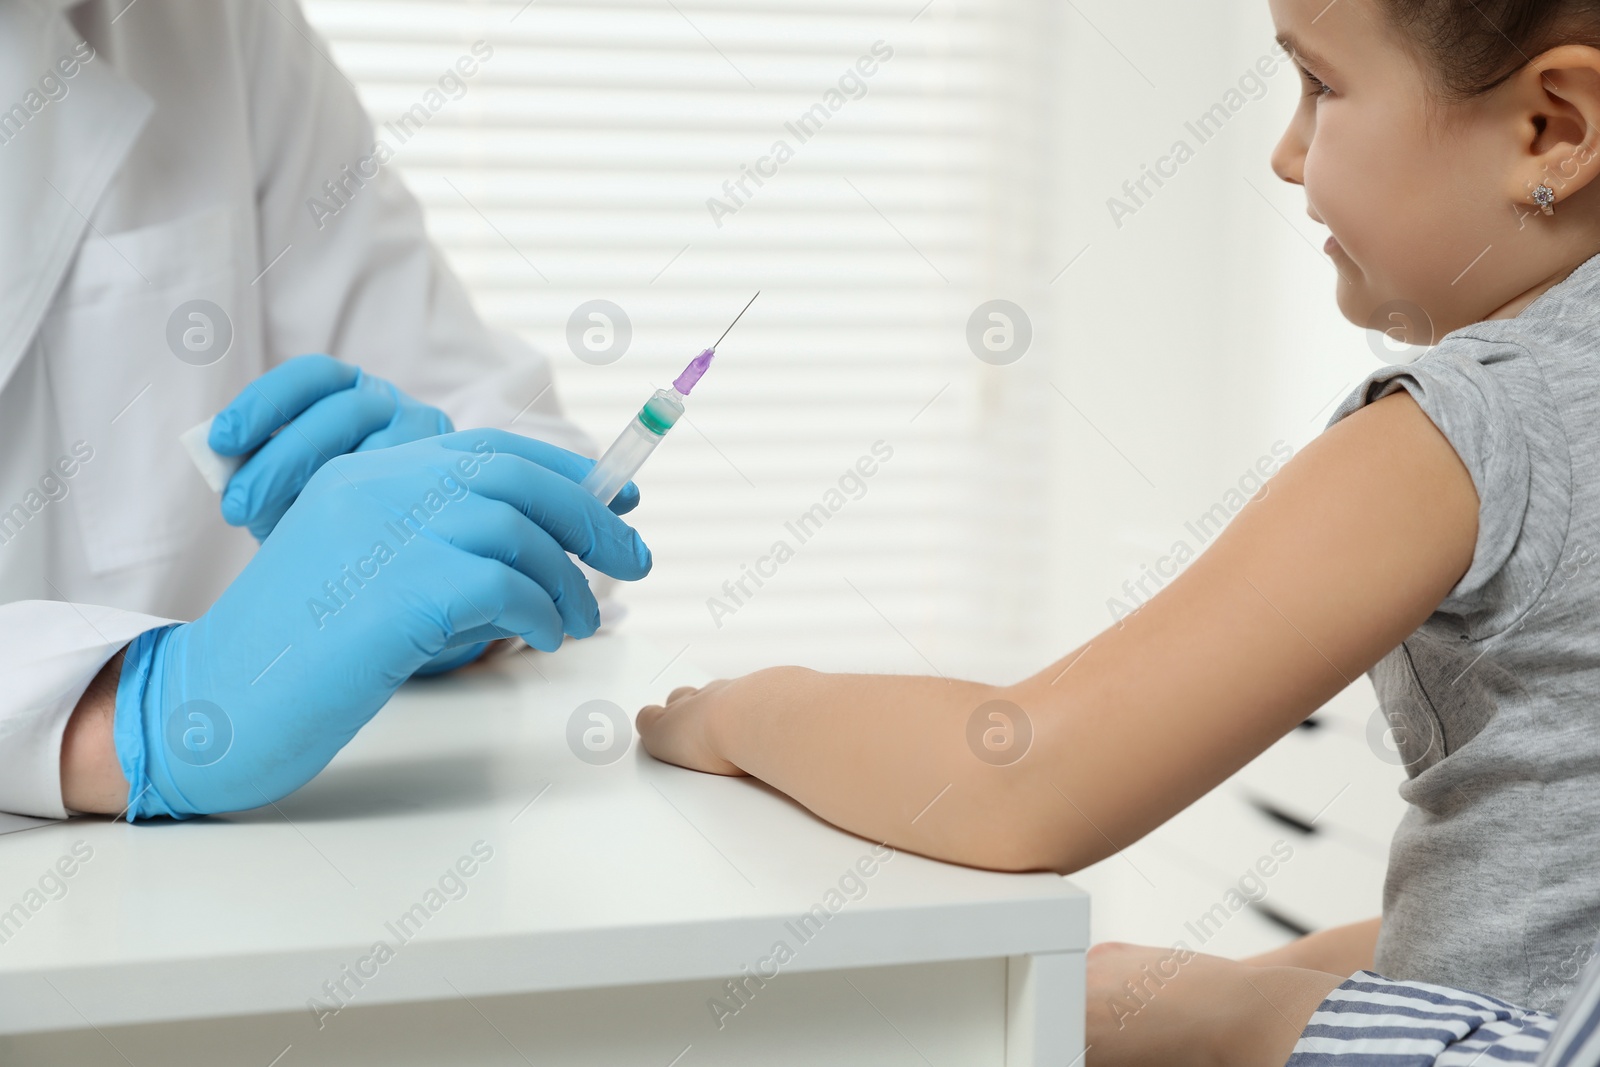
x: 735, y: 321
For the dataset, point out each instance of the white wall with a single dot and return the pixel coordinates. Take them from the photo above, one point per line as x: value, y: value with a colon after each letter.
x: 1203, y: 330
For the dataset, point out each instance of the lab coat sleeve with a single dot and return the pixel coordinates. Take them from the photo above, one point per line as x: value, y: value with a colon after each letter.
x: 359, y: 279
x: 49, y: 653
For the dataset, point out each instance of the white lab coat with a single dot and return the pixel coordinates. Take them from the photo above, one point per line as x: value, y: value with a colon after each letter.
x: 177, y: 166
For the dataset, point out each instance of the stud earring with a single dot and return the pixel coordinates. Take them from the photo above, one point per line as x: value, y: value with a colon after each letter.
x: 1545, y: 196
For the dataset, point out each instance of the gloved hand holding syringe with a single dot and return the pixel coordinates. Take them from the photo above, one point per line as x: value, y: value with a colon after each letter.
x: 312, y: 391
x: 286, y: 671
x: 617, y: 466
x: 641, y: 436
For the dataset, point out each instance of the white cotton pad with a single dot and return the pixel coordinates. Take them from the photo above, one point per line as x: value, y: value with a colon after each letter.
x: 215, y: 469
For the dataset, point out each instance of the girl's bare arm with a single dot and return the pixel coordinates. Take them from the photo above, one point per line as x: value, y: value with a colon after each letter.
x: 1340, y: 950
x: 1348, y: 550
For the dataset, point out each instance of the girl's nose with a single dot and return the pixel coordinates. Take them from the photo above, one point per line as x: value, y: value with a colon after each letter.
x: 1288, y: 158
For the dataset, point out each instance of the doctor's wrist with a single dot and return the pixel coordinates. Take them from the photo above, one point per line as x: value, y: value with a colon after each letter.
x: 91, y: 776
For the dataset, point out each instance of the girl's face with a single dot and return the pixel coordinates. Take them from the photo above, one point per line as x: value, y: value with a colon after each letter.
x: 1420, y: 212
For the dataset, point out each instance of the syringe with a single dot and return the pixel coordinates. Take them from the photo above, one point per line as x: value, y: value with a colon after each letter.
x: 641, y: 436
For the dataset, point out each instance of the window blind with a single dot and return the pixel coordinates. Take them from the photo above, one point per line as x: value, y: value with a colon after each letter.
x: 831, y: 497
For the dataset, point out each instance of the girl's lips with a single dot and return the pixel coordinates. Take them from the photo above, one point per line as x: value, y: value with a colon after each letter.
x: 1330, y: 244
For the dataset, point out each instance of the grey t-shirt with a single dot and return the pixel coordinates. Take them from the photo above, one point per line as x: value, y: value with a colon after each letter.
x: 1494, y: 873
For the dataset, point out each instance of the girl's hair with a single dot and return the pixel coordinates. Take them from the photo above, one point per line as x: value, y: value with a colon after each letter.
x: 1471, y: 46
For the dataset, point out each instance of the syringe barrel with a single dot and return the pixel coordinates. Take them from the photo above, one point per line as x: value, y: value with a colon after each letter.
x: 633, y: 446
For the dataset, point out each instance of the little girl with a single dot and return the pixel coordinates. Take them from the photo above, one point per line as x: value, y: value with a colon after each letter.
x: 1441, y: 535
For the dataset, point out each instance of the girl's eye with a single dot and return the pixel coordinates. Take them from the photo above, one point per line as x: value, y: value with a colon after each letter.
x: 1318, y: 88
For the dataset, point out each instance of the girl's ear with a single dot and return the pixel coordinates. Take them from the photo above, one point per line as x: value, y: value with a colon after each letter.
x: 1555, y: 102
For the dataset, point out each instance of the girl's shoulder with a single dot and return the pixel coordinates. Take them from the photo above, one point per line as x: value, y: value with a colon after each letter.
x: 1522, y: 411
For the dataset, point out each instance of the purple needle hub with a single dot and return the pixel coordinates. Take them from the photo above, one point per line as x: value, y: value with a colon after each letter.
x: 692, y: 374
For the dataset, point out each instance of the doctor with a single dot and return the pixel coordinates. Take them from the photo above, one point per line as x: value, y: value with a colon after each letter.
x: 158, y: 265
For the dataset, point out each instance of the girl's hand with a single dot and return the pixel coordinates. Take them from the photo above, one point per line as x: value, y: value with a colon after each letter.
x: 1176, y: 1007
x: 682, y: 731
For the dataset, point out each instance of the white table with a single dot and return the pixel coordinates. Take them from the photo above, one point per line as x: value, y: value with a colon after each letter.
x: 620, y: 899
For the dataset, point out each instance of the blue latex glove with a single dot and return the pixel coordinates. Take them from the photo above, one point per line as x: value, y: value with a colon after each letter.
x: 300, y: 414
x: 386, y: 560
